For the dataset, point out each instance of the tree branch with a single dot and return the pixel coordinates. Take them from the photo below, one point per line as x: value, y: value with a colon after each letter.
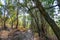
x: 44, y: 7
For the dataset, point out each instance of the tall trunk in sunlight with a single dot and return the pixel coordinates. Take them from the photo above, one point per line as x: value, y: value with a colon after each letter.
x: 34, y: 26
x: 4, y: 27
x: 17, y: 18
x: 38, y: 26
x: 17, y: 14
x: 36, y: 22
x: 4, y: 18
x: 24, y: 20
x: 48, y: 19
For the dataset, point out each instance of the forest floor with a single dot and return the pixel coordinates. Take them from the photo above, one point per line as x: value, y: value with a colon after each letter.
x: 15, y: 35
x: 19, y: 35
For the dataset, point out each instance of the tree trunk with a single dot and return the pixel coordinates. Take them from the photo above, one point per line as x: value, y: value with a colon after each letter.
x: 36, y: 21
x: 17, y: 14
x: 48, y: 19
x: 12, y: 25
x: 4, y: 28
x: 24, y: 20
x: 17, y: 18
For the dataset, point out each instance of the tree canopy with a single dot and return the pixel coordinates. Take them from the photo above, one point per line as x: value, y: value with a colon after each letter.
x: 37, y: 15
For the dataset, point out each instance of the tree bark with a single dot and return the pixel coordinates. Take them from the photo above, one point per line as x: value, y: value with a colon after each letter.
x: 48, y: 19
x: 17, y: 14
x: 4, y: 28
x: 36, y: 21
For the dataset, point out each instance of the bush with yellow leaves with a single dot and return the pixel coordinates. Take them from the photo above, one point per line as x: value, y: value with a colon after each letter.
x: 22, y: 29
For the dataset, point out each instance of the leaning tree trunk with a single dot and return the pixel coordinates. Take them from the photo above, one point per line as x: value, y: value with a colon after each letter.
x: 48, y: 19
